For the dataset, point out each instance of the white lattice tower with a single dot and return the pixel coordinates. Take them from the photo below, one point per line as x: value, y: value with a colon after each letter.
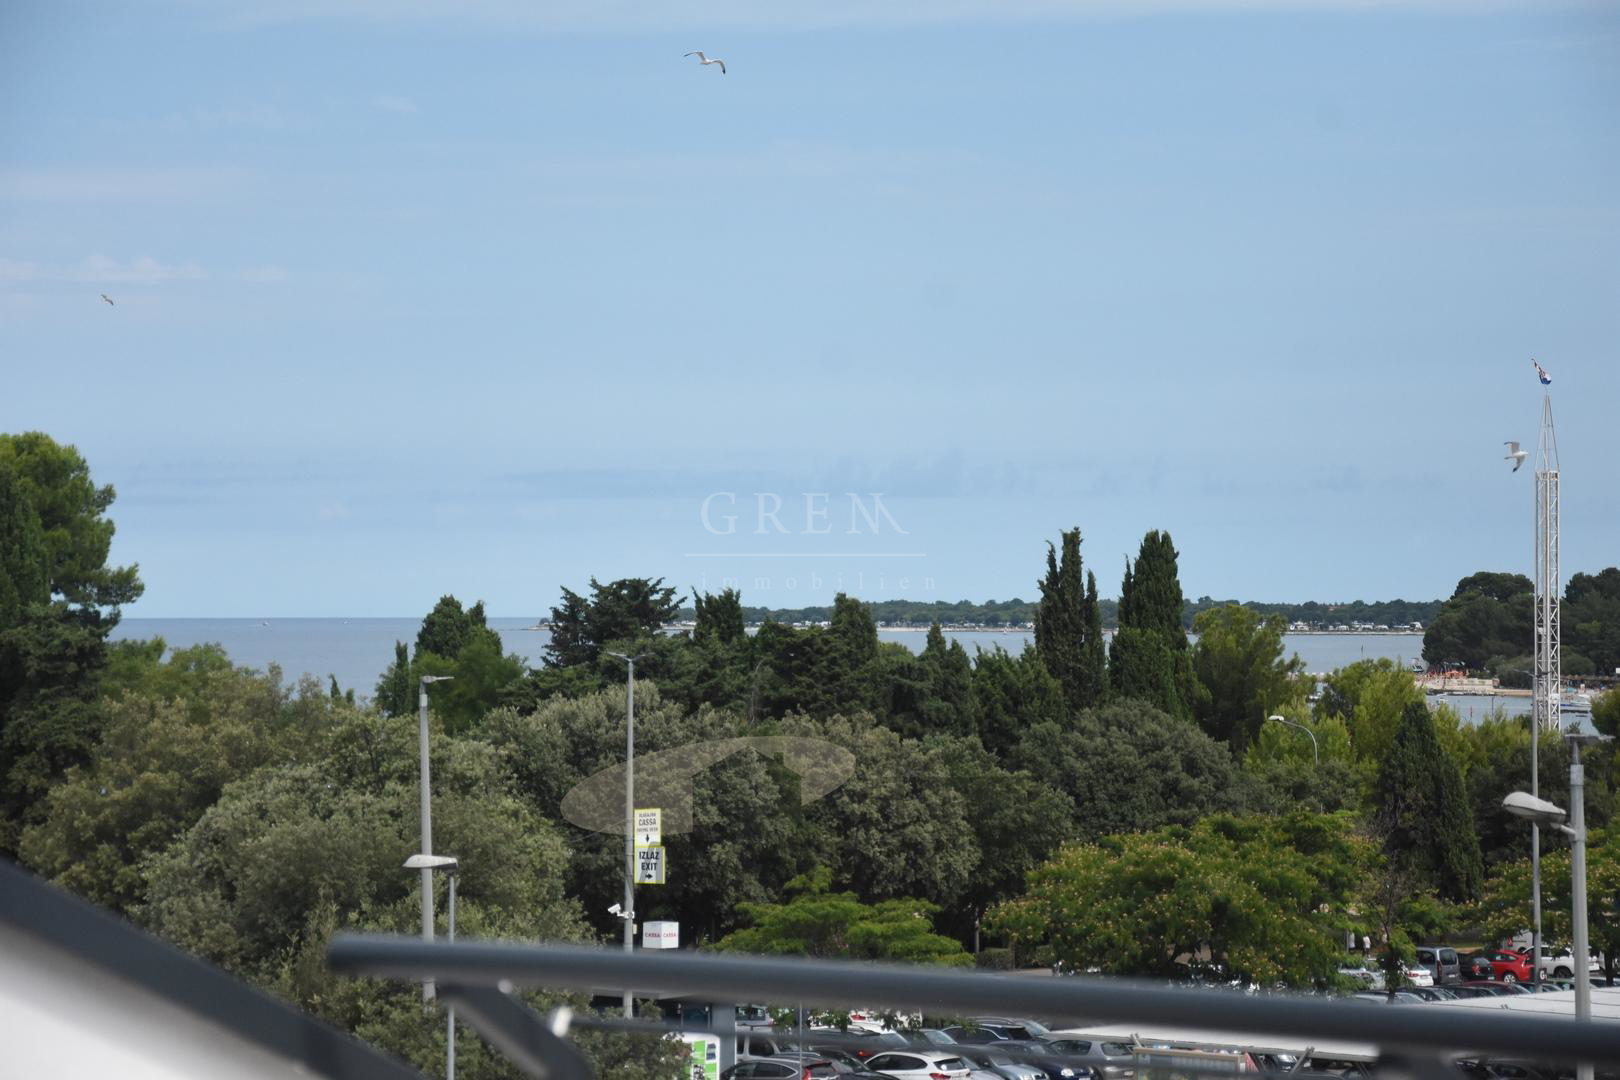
x: 1549, y: 658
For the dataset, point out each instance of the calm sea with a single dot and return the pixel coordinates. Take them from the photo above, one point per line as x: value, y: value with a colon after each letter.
x: 357, y: 651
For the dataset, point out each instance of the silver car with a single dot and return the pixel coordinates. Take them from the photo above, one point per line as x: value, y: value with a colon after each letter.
x: 1108, y: 1059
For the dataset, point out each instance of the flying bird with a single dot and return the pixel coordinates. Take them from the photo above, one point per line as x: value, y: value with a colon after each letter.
x: 107, y: 298
x: 1515, y: 455
x: 706, y: 60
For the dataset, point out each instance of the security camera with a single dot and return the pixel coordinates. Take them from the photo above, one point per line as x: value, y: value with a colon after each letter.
x: 616, y: 909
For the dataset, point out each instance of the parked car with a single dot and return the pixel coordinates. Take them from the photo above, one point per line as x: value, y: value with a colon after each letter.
x: 1442, y: 962
x: 806, y: 1067
x: 1475, y: 966
x: 1508, y: 966
x: 1415, y: 976
x: 919, y: 1065
x: 1560, y: 963
x: 874, y: 1043
x: 1499, y: 989
x: 999, y: 1063
x: 1108, y: 1059
x: 1383, y: 997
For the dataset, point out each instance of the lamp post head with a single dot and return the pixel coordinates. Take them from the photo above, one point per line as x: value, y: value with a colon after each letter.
x: 628, y: 659
x: 448, y: 863
x: 436, y: 678
x: 1522, y: 804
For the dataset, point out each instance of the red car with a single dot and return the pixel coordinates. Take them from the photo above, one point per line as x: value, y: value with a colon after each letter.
x: 1509, y: 966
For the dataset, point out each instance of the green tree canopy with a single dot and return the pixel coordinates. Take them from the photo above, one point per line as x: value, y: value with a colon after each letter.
x: 55, y: 480
x: 1014, y: 693
x: 624, y: 610
x: 1148, y: 659
x: 815, y: 921
x: 1591, y: 618
x: 1488, y: 615
x: 1259, y: 900
x: 1505, y: 907
x: 1422, y: 812
x: 1128, y: 767
x: 167, y: 748
x: 1239, y: 663
x: 1068, y: 627
x: 447, y: 629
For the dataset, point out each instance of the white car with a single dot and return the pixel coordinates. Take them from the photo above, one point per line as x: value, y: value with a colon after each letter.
x: 1560, y: 963
x: 1416, y: 976
x: 919, y: 1065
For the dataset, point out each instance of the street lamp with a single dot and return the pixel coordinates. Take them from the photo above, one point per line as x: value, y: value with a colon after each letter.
x: 1541, y: 812
x: 427, y: 822
x: 1316, y: 754
x: 629, y: 912
x: 449, y: 864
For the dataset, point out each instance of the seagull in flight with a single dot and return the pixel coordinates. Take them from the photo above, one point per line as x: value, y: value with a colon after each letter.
x: 706, y: 60
x: 107, y: 298
x: 1516, y: 455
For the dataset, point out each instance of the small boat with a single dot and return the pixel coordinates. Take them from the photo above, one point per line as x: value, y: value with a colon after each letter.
x: 1575, y: 701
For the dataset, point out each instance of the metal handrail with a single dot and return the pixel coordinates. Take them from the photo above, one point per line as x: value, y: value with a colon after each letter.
x: 1410, y: 1031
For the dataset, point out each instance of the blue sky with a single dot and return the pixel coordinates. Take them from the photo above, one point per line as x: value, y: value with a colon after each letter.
x: 487, y: 297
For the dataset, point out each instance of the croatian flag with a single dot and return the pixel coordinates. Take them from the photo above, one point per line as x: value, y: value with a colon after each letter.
x: 1541, y: 373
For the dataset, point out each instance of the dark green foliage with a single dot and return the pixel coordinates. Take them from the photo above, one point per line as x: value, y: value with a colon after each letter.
x: 177, y: 734
x: 1067, y: 613
x: 53, y: 643
x: 1488, y: 615
x: 826, y: 671
x: 447, y: 629
x: 1094, y: 652
x: 628, y: 609
x: 1591, y: 620
x: 396, y: 689
x: 1148, y: 659
x: 1017, y: 820
x: 1239, y: 664
x: 1129, y: 767
x: 815, y: 921
x: 55, y: 480
x: 1423, y: 815
x: 1013, y: 694
x: 931, y: 693
x: 719, y: 617
x: 25, y: 576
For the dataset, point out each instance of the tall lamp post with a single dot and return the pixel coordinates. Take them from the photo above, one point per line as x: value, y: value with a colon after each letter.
x: 1316, y: 753
x: 629, y: 912
x: 450, y: 865
x: 427, y: 820
x: 1541, y: 812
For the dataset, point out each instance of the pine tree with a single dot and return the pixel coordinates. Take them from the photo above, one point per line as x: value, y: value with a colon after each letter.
x: 718, y: 616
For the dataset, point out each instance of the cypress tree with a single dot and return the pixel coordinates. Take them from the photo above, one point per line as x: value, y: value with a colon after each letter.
x: 1062, y: 624
x: 1149, y: 659
x: 1423, y: 812
x: 1094, y: 652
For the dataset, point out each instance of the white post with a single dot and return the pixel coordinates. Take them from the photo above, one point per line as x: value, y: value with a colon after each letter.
x: 1577, y: 873
x: 450, y: 1053
x: 630, y: 825
x: 427, y: 832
